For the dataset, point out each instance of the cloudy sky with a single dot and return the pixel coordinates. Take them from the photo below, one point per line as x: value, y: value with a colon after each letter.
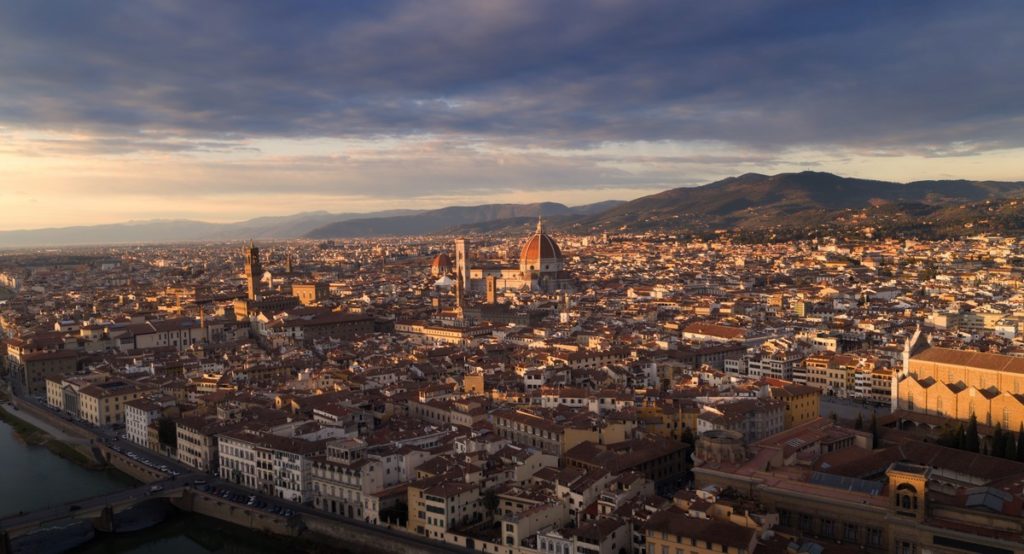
x: 113, y: 111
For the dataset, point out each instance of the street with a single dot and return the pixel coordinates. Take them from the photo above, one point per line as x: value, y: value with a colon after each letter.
x: 847, y: 410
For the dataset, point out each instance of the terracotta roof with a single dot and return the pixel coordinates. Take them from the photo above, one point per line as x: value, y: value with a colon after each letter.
x: 967, y: 358
x: 441, y: 264
x: 539, y: 247
x: 714, y: 330
x: 675, y: 522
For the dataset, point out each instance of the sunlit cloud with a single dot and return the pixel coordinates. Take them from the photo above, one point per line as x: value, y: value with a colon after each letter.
x: 223, y: 111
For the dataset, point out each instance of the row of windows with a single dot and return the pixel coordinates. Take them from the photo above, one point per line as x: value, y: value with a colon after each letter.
x: 831, y: 528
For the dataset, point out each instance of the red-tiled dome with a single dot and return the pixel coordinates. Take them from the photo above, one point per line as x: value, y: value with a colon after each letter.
x: 540, y: 252
x: 441, y: 265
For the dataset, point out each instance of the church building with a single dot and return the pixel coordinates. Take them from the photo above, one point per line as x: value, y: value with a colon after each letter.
x: 541, y: 267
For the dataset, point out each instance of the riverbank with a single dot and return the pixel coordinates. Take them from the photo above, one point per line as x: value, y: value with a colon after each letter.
x: 307, y: 531
x: 34, y: 436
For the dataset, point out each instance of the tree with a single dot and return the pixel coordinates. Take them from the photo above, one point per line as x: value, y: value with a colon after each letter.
x: 949, y: 437
x: 1020, y: 443
x: 491, y: 501
x: 998, y: 444
x: 687, y: 436
x: 961, y: 437
x: 858, y: 424
x: 971, y: 438
x: 1010, y: 449
x: 167, y: 431
x: 874, y: 430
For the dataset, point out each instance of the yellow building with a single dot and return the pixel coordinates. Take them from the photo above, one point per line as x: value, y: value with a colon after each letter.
x: 437, y: 504
x: 803, y: 402
x: 669, y: 418
x: 958, y: 383
x: 310, y: 293
x: 103, y: 403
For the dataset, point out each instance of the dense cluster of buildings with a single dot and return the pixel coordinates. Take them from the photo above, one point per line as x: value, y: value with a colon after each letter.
x: 585, y: 395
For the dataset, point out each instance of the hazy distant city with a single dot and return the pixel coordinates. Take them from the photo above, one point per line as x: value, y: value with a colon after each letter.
x: 511, y: 277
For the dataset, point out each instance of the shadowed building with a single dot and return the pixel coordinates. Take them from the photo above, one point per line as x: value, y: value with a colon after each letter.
x: 253, y: 270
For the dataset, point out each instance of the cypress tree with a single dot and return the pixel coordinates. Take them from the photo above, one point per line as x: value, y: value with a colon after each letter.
x: 961, y: 437
x: 1020, y: 443
x: 971, y: 440
x: 688, y: 437
x: 858, y: 424
x: 950, y: 437
x: 998, y: 444
x: 874, y: 430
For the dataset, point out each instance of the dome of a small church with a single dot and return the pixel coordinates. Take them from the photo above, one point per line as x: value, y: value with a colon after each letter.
x: 541, y: 253
x: 442, y: 265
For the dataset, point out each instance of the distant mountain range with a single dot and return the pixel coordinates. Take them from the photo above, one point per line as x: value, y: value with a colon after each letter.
x: 182, y: 230
x: 797, y: 204
x: 302, y: 225
x: 793, y: 204
x: 757, y: 201
x: 440, y: 220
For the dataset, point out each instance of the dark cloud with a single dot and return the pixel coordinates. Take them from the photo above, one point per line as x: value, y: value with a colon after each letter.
x: 772, y: 74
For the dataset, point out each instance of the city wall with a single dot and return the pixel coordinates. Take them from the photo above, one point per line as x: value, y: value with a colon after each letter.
x: 130, y: 467
x: 362, y: 538
x: 244, y: 516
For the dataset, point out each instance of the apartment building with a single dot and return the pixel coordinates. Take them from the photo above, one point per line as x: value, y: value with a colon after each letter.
x: 140, y: 413
x: 103, y: 404
x: 32, y: 369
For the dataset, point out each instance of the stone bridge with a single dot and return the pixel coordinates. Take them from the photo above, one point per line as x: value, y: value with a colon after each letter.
x: 99, y: 512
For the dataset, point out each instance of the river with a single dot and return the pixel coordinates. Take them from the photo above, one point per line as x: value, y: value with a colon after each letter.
x: 33, y: 478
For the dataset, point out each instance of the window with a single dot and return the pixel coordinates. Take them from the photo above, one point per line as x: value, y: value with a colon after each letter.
x: 874, y: 536
x: 850, y: 533
x: 805, y: 522
x: 827, y: 528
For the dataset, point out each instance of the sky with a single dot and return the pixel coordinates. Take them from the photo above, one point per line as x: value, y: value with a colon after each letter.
x: 222, y: 111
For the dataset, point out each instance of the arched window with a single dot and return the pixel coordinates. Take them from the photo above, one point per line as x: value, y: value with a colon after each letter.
x: 906, y: 496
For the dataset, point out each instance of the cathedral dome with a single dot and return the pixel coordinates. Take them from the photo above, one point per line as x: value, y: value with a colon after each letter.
x: 442, y: 265
x: 540, y: 253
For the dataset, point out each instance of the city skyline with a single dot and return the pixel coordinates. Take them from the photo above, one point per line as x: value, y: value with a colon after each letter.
x: 178, y: 110
x: 512, y: 276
